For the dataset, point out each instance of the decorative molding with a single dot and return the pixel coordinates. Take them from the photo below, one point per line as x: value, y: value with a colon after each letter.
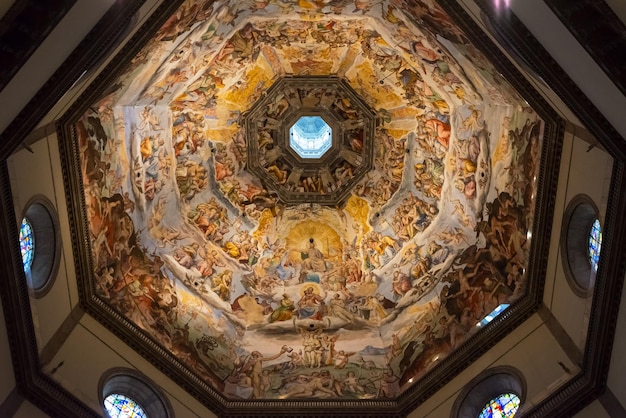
x: 31, y: 382
x: 259, y: 121
x: 23, y: 28
x: 528, y: 47
x: 604, y: 41
x: 83, y: 57
x: 11, y: 404
x: 429, y: 383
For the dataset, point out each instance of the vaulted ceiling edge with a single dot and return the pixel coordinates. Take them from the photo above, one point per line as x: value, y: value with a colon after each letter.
x: 564, y: 397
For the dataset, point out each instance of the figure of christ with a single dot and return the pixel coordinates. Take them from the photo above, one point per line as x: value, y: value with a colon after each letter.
x: 314, y: 258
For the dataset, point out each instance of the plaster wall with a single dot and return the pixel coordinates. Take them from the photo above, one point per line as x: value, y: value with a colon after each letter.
x: 582, y: 172
x: 593, y: 410
x: 49, y: 56
x: 91, y: 350
x: 535, y: 80
x: 39, y: 173
x: 572, y: 57
x: 5, y: 5
x: 85, y: 80
x: 619, y: 7
x: 531, y: 348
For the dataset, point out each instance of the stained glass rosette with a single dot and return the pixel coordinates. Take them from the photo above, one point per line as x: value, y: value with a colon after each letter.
x: 27, y: 244
x: 120, y: 406
x: 595, y: 242
x: 503, y: 406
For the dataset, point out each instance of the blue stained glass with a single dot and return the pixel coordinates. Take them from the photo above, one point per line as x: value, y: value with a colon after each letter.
x: 120, y: 406
x: 27, y: 244
x: 595, y: 242
x: 502, y: 406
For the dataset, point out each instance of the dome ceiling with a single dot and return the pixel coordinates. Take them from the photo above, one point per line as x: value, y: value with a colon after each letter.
x: 346, y: 276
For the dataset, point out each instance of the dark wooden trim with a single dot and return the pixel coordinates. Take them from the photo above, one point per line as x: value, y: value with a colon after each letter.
x: 23, y: 28
x: 88, y: 52
x: 542, y: 224
x: 11, y: 404
x: 37, y: 387
x: 604, y: 41
x: 530, y: 49
x: 611, y: 404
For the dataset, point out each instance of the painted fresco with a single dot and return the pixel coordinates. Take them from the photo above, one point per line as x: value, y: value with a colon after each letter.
x: 267, y: 300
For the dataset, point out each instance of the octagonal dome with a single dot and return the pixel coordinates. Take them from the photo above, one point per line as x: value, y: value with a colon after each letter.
x: 301, y: 108
x: 344, y: 277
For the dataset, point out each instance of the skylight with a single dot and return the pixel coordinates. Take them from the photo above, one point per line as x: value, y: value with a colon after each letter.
x: 310, y: 137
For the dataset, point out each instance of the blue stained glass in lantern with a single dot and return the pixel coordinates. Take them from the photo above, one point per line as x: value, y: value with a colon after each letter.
x: 27, y: 244
x: 502, y: 406
x: 310, y: 137
x: 120, y: 406
x: 595, y: 242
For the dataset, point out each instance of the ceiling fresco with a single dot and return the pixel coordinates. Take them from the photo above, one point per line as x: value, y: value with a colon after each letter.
x: 264, y: 297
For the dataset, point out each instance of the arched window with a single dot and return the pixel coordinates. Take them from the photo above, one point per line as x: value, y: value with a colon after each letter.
x: 40, y: 244
x: 27, y: 244
x: 595, y: 242
x: 498, y: 392
x: 120, y: 406
x: 502, y: 406
x: 581, y: 239
x: 126, y: 393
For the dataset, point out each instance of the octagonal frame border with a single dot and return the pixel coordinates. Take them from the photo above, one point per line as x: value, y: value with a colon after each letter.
x: 48, y: 395
x: 256, y: 111
x: 411, y: 397
x: 427, y: 385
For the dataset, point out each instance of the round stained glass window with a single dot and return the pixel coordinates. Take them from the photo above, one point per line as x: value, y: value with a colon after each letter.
x: 595, y: 242
x: 27, y: 244
x: 120, y: 406
x: 502, y: 406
